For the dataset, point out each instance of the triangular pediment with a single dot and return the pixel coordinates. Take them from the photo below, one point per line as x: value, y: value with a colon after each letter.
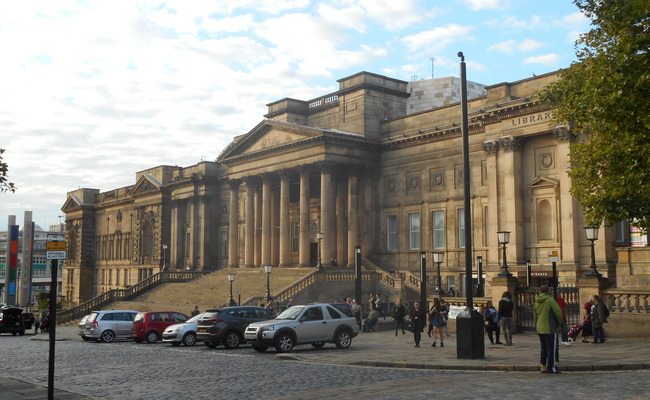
x: 72, y: 203
x: 541, y: 181
x: 146, y: 184
x: 269, y: 135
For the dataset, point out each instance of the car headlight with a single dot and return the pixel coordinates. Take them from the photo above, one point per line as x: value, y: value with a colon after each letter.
x: 265, y: 328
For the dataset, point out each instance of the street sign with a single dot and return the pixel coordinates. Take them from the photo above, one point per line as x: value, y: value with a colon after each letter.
x: 553, y: 256
x: 55, y: 255
x: 56, y: 246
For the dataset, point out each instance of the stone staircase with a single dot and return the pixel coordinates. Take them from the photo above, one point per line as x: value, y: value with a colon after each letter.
x: 212, y: 290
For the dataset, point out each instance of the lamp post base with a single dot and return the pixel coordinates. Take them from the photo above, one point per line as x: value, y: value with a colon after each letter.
x: 470, y: 344
x: 232, y: 301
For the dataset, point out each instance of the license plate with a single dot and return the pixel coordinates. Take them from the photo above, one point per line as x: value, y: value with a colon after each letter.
x: 203, y: 330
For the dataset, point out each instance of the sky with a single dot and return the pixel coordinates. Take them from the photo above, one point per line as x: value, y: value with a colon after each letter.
x: 93, y: 91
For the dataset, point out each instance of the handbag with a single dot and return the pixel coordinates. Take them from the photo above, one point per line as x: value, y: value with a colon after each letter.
x: 408, y: 325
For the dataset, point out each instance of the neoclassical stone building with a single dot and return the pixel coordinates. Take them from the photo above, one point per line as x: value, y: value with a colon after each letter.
x: 360, y: 167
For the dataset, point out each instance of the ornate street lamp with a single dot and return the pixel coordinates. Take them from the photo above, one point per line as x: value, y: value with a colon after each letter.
x: 592, y: 236
x: 231, y: 279
x: 268, y: 269
x: 438, y: 257
x: 504, y: 239
x: 319, y: 236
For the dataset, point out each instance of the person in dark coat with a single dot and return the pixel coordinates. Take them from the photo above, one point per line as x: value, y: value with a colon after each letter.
x: 418, y: 320
x: 399, y: 312
x: 506, y: 307
x: 598, y: 318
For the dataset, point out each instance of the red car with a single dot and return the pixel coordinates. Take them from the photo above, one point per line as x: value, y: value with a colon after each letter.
x: 149, y: 326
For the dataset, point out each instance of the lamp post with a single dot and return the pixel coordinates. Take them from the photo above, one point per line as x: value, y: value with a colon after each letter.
x: 504, y: 239
x: 231, y: 279
x: 438, y: 256
x: 268, y: 269
x: 164, y: 263
x: 592, y: 236
x: 319, y: 265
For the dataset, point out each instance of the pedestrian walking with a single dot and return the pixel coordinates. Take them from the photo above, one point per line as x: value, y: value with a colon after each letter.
x: 437, y: 321
x: 599, y: 314
x: 357, y: 311
x: 548, y: 318
x: 491, y: 318
x: 506, y: 308
x: 379, y: 306
x: 564, y: 328
x: 418, y: 321
x: 399, y: 312
x: 196, y: 311
x: 446, y: 316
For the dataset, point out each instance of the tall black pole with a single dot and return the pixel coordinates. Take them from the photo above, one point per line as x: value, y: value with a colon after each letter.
x: 423, y: 280
x: 554, y: 280
x: 357, y: 274
x: 51, y: 325
x: 479, y: 273
x: 469, y: 323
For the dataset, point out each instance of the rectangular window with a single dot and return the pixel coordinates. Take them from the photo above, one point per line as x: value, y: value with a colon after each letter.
x: 622, y: 228
x: 391, y: 232
x: 224, y: 243
x: 295, y: 233
x: 414, y: 231
x: 461, y: 228
x: 438, y: 229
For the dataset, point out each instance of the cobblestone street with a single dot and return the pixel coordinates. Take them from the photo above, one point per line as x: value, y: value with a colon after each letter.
x: 126, y: 370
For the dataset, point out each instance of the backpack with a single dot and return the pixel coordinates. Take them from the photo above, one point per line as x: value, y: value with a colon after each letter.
x: 606, y: 311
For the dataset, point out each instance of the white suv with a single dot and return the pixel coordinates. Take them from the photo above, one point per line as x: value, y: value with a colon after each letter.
x: 106, y: 326
x: 315, y: 324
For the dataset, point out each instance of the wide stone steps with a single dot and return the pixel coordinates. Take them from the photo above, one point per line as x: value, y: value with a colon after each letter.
x: 212, y: 290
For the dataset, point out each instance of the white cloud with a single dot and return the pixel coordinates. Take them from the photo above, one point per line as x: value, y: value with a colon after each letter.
x: 507, y: 47
x: 548, y: 60
x: 476, y: 5
x: 437, y: 38
x: 528, y: 45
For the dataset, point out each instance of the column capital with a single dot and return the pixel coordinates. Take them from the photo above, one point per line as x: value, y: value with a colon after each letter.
x: 510, y: 143
x: 234, y: 183
x: 563, y: 133
x: 490, y: 146
x: 251, y: 181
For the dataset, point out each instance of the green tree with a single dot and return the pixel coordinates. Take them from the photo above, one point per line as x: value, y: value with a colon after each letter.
x: 4, y: 168
x: 605, y: 96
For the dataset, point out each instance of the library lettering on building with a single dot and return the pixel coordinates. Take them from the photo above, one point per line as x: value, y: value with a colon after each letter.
x: 377, y: 164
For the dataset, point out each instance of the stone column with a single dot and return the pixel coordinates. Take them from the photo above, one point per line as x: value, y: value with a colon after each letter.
x: 285, y: 234
x: 569, y: 207
x: 353, y: 216
x: 233, y: 225
x: 341, y: 242
x: 303, y: 240
x: 266, y: 220
x: 275, y: 225
x: 326, y: 215
x: 258, y: 228
x: 492, y: 227
x: 511, y: 204
x: 249, y: 218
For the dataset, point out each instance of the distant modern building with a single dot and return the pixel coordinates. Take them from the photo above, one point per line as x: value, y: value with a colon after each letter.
x: 377, y: 163
x: 41, y: 267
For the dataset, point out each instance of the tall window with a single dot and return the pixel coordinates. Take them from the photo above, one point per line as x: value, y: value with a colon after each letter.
x: 414, y: 231
x: 438, y: 229
x: 391, y: 232
x: 461, y: 228
x: 295, y: 230
x: 224, y: 243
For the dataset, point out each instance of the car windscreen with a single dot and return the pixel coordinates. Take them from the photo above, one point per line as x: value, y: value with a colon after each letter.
x: 211, y: 314
x: 195, y: 318
x: 291, y: 312
x: 139, y: 317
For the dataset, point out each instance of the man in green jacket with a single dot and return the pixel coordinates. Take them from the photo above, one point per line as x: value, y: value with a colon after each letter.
x: 548, y: 319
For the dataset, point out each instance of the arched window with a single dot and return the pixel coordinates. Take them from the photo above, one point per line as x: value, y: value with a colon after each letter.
x: 544, y: 220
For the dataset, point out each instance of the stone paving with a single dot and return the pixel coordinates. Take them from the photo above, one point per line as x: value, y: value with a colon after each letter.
x: 378, y: 365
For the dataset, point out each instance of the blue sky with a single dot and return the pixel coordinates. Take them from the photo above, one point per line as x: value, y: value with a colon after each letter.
x: 93, y: 91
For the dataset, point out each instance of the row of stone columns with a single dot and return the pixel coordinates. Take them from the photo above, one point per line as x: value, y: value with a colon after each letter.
x: 260, y: 212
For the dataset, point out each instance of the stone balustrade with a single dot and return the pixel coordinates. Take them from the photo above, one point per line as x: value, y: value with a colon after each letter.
x: 627, y: 300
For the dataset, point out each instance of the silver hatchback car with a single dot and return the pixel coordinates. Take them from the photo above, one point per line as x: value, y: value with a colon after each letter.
x: 106, y: 326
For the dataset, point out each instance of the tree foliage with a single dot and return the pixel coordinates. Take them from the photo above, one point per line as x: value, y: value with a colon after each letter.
x: 605, y: 96
x: 5, y: 185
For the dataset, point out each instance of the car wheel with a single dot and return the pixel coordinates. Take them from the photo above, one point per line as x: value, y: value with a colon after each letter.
x: 232, y: 340
x: 176, y: 344
x: 152, y: 337
x: 22, y: 333
x: 85, y: 338
x: 211, y: 345
x: 284, y: 343
x: 138, y: 340
x: 343, y: 339
x: 189, y: 339
x: 107, y: 336
x: 261, y: 349
x: 318, y: 345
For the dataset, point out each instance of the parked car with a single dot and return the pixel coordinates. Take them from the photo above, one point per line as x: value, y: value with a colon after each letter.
x: 106, y: 326
x: 81, y: 326
x: 11, y: 321
x: 184, y: 333
x: 150, y: 325
x: 315, y: 324
x: 226, y: 325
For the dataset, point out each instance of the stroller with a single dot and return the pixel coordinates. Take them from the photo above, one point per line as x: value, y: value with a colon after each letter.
x: 45, y: 324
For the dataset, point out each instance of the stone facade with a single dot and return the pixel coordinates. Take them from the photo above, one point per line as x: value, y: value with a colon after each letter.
x: 362, y: 169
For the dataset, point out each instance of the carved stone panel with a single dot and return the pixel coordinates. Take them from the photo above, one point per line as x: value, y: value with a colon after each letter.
x: 390, y: 186
x: 545, y: 160
x: 437, y: 179
x: 413, y: 182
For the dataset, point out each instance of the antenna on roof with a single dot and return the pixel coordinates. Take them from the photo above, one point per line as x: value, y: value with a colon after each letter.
x: 433, y: 59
